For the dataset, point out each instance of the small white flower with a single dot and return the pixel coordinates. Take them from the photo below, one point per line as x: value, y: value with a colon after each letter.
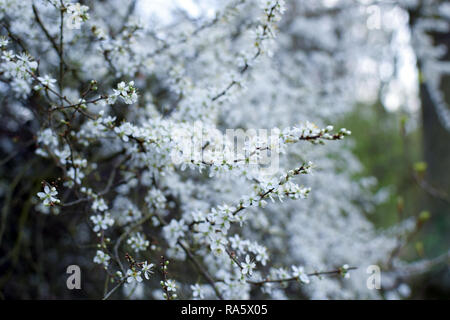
x: 99, y: 205
x: 299, y: 273
x: 147, y: 269
x: 248, y: 266
x: 261, y: 255
x: 218, y: 243
x: 77, y: 13
x: 133, y: 275
x: 138, y: 242
x: 127, y: 92
x: 3, y: 42
x: 49, y: 196
x: 282, y: 273
x: 237, y: 243
x: 170, y: 285
x: 102, y: 258
x: 75, y: 174
x: 102, y: 222
x: 197, y: 291
x: 46, y: 81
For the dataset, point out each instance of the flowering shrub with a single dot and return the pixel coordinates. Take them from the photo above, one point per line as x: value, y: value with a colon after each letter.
x: 132, y: 117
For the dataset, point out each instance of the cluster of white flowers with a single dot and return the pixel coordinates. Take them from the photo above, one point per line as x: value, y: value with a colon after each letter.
x: 310, y: 132
x: 77, y: 14
x: 149, y: 171
x: 19, y: 69
x: 127, y: 92
x: 102, y: 222
x: 241, y: 246
x: 138, y: 242
x: 273, y: 10
x: 155, y: 198
x: 135, y: 275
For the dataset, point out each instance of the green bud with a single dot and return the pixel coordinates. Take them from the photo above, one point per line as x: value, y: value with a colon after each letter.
x: 420, y: 167
x: 424, y: 216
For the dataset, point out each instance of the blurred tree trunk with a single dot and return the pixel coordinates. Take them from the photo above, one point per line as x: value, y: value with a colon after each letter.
x: 436, y: 153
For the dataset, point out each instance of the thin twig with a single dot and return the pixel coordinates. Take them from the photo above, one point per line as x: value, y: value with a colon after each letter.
x: 313, y: 274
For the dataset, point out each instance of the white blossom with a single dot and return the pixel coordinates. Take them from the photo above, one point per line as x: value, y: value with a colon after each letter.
x: 101, y: 222
x: 49, y: 196
x: 138, y: 242
x: 102, y: 258
x: 45, y: 82
x: 170, y: 285
x: 197, y: 291
x: 147, y: 269
x: 225, y: 114
x: 99, y: 204
x: 299, y: 273
x: 248, y: 266
x: 77, y: 14
x: 133, y: 275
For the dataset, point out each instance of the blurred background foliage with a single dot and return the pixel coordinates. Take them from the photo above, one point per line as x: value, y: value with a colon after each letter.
x: 389, y: 146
